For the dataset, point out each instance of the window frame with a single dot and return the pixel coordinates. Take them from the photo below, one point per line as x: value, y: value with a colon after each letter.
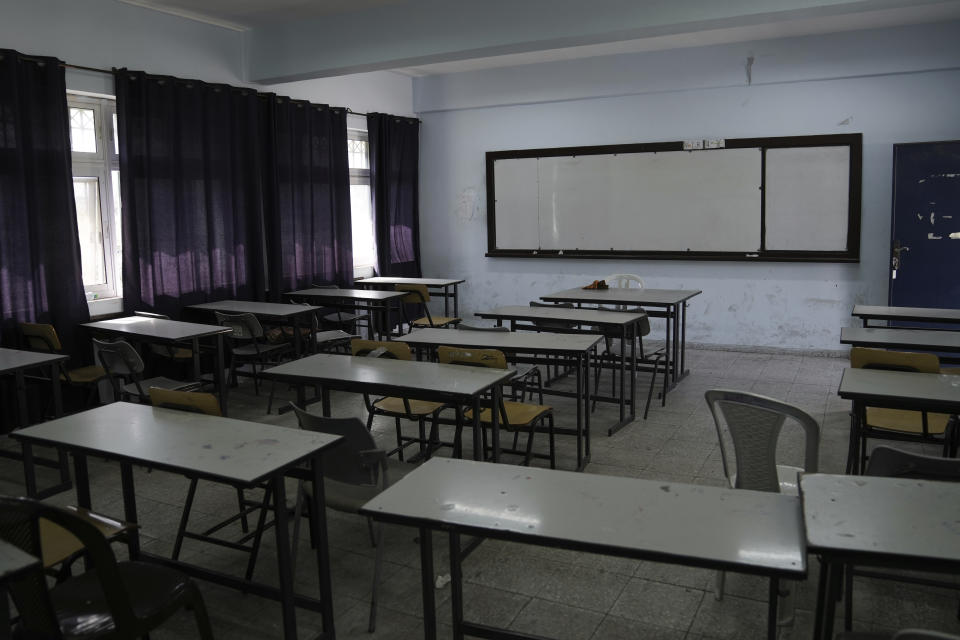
x: 360, y: 176
x: 101, y: 165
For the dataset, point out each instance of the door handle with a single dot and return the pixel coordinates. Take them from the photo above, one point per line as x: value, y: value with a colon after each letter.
x: 895, y: 258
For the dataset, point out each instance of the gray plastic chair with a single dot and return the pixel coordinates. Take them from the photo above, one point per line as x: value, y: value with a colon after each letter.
x: 354, y: 472
x: 247, y: 345
x: 124, y: 368
x: 753, y: 424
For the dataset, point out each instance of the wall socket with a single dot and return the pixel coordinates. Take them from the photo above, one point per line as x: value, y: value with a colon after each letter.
x: 714, y: 143
x: 692, y: 144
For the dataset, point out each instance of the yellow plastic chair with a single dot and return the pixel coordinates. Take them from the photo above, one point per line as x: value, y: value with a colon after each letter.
x: 399, y: 408
x: 900, y: 424
x: 513, y: 416
x: 44, y: 338
x: 418, y: 294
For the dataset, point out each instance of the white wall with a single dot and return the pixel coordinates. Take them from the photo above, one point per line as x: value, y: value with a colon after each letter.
x: 813, y: 85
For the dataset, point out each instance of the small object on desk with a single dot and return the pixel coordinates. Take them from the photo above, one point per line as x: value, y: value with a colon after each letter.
x: 597, y: 284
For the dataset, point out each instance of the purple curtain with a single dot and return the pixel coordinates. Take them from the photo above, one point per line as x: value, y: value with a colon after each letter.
x: 307, y: 191
x: 394, y: 180
x: 190, y: 174
x: 40, y: 269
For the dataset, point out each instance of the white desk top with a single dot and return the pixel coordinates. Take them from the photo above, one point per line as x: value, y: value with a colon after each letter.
x: 927, y: 340
x: 584, y: 316
x: 14, y: 561
x: 157, y: 328
x: 180, y: 441
x: 383, y: 375
x: 622, y: 295
x: 870, y: 516
x: 346, y: 294
x: 920, y: 314
x: 430, y: 282
x: 748, y: 531
x: 15, y: 359
x: 902, y: 389
x: 511, y: 341
x: 265, y: 309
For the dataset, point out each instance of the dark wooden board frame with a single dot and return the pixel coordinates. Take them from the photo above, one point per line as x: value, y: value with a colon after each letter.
x: 851, y: 254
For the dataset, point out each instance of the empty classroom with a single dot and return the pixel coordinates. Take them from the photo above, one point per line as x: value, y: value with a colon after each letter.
x: 411, y: 319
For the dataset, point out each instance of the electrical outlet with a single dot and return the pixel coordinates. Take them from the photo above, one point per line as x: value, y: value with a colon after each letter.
x: 689, y: 145
x: 714, y: 143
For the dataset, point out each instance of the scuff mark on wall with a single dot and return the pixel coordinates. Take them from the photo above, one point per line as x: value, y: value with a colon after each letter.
x: 467, y: 205
x: 845, y: 121
x: 749, y: 68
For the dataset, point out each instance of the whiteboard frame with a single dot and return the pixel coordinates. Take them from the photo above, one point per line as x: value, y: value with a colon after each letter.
x: 851, y: 254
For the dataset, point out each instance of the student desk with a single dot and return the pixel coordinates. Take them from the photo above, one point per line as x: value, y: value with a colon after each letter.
x: 437, y: 287
x: 574, y: 349
x: 671, y: 304
x: 14, y: 563
x: 735, y: 530
x: 448, y: 383
x: 377, y: 302
x: 16, y: 363
x: 906, y: 314
x: 934, y: 392
x: 624, y: 322
x: 162, y: 331
x: 276, y: 312
x: 880, y: 522
x: 207, y: 447
x: 911, y: 339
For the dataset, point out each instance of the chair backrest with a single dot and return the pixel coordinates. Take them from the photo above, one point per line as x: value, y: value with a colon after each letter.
x: 194, y: 401
x: 463, y: 326
x: 343, y: 462
x: 324, y: 286
x: 552, y: 324
x: 150, y: 314
x: 862, y: 357
x: 19, y: 526
x: 897, y: 463
x: 624, y: 281
x: 417, y: 293
x: 383, y: 348
x: 118, y: 358
x: 244, y: 326
x: 753, y: 423
x: 491, y: 358
x: 40, y: 337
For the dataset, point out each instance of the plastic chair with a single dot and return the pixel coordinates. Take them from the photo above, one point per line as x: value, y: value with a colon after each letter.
x: 112, y: 600
x: 124, y: 368
x: 512, y: 416
x: 905, y: 634
x: 556, y: 326
x: 60, y: 548
x: 247, y: 346
x: 753, y: 423
x: 399, y: 408
x: 354, y: 473
x: 896, y: 463
x: 344, y: 320
x: 526, y: 374
x: 207, y: 403
x: 171, y: 352
x: 418, y: 294
x: 43, y: 338
x: 899, y: 424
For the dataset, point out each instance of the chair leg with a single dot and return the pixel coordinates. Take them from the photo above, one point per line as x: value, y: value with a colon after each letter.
x: 373, y: 538
x: 241, y: 504
x: 528, y: 454
x: 377, y: 566
x: 653, y: 383
x: 184, y: 517
x: 399, y: 440
x: 194, y: 600
x: 848, y: 597
x: 258, y: 534
x: 370, y: 416
x: 422, y: 431
x: 718, y: 585
x: 550, y: 435
x: 458, y: 434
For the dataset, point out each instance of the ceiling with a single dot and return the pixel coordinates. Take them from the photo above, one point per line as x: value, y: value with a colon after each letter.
x: 806, y: 18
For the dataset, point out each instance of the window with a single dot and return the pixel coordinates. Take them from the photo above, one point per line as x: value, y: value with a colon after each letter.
x: 361, y: 214
x: 96, y: 190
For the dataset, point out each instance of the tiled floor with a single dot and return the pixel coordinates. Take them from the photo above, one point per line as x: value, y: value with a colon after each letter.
x: 550, y: 592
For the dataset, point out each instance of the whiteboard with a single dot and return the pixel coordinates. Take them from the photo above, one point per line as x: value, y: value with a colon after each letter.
x: 668, y: 201
x: 794, y: 198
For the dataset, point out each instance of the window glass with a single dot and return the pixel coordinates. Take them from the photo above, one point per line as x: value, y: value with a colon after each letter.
x: 364, y: 252
x: 86, y: 193
x: 83, y: 130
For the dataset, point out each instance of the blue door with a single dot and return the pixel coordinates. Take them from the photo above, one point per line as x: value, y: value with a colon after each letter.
x: 925, y: 240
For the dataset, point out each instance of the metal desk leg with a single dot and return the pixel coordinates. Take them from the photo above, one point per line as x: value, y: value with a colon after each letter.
x: 426, y: 585
x: 668, y: 371
x: 283, y: 558
x: 821, y: 601
x: 581, y: 409
x: 318, y: 512
x: 633, y: 370
x: 219, y: 378
x: 29, y: 470
x: 195, y: 348
x: 21, y: 390
x: 497, y: 395
x: 853, y: 446
x: 586, y: 406
x: 130, y: 508
x: 478, y: 452
x: 456, y: 586
x: 683, y: 338
x: 456, y: 301
x: 772, y: 596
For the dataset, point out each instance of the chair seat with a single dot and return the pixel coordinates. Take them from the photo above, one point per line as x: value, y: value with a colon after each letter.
x: 57, y: 544
x: 906, y: 421
x: 395, y: 406
x: 350, y: 497
x: 344, y: 317
x: 159, y: 381
x: 438, y: 321
x: 175, y: 353
x: 788, y: 477
x: 250, y: 350
x: 82, y: 609
x: 519, y: 414
x: 334, y: 335
x: 85, y: 375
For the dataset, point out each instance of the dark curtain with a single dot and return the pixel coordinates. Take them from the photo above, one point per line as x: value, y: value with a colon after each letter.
x: 40, y: 270
x: 394, y: 176
x: 190, y: 174
x: 307, y: 191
